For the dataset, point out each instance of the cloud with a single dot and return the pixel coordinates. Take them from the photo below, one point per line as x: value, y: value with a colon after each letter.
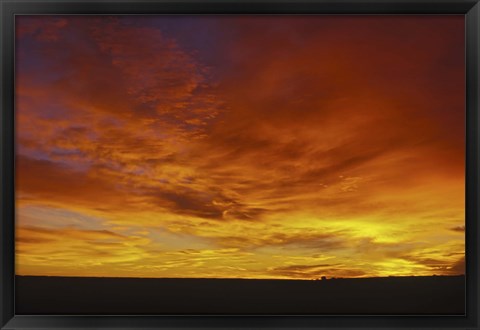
x: 40, y: 29
x: 71, y: 232
x: 73, y: 248
x: 61, y: 185
x: 316, y: 271
x: 460, y: 229
x: 458, y: 267
x: 303, y: 240
x: 250, y: 140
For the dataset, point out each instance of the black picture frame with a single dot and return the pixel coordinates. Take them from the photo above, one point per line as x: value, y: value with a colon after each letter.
x: 10, y: 8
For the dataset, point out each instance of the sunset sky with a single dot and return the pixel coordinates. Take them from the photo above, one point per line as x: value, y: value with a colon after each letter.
x: 240, y: 146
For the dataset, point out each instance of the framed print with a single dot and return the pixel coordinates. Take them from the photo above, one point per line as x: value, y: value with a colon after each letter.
x: 188, y: 165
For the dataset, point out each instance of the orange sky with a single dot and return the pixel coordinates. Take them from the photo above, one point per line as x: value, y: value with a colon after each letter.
x: 252, y: 147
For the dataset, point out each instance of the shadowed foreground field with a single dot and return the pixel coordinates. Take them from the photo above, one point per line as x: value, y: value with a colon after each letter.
x: 389, y: 295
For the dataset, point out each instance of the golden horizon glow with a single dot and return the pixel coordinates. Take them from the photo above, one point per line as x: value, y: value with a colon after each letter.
x: 240, y: 147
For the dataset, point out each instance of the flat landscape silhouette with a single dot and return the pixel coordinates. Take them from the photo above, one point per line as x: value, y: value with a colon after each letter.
x: 381, y: 295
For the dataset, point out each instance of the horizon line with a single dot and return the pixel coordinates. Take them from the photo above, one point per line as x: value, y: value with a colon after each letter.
x: 243, y: 278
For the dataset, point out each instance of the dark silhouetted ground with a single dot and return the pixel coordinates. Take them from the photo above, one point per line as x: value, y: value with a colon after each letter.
x: 389, y: 295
